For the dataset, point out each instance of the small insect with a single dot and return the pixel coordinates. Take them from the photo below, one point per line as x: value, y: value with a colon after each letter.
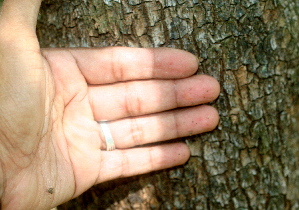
x: 51, y: 190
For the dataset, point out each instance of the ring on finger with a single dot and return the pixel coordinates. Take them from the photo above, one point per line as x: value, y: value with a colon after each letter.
x: 107, y: 134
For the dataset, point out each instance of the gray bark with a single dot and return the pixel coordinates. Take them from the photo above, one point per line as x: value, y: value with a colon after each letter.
x: 252, y: 47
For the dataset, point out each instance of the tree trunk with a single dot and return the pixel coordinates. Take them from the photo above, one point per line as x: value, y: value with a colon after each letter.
x: 251, y: 161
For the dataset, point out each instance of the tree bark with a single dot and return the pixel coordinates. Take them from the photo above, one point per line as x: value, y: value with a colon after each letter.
x: 251, y: 161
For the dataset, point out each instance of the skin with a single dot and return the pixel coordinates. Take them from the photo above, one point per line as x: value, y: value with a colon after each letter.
x: 52, y: 148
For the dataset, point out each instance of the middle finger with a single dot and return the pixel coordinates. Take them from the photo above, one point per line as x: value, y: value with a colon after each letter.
x: 121, y: 100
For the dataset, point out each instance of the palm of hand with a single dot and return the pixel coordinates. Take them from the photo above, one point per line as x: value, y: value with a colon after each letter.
x: 52, y: 146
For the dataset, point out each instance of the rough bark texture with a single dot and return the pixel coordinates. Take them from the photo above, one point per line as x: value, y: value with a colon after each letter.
x: 251, y: 161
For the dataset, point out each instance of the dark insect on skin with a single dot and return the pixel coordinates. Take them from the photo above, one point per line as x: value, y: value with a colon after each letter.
x: 51, y: 190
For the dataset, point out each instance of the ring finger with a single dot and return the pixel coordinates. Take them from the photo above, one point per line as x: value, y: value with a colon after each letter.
x: 152, y: 128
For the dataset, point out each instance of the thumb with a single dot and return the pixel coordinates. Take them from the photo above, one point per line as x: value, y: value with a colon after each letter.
x: 20, y: 13
x: 20, y: 59
x: 22, y: 76
x: 17, y: 28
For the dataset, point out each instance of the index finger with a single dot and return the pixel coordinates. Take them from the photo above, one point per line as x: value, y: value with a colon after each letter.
x: 114, y: 64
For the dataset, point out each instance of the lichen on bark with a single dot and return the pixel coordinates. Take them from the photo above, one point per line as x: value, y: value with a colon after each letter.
x: 251, y: 161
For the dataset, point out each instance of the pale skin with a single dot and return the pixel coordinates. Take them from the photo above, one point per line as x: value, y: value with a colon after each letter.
x: 51, y: 146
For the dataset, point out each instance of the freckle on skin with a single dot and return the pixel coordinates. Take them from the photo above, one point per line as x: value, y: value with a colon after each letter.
x: 51, y: 190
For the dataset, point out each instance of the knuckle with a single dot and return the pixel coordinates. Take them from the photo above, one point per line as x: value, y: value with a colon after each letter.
x: 124, y: 164
x: 176, y: 128
x: 116, y: 65
x: 132, y: 100
x: 137, y: 135
x: 151, y: 159
x: 176, y: 100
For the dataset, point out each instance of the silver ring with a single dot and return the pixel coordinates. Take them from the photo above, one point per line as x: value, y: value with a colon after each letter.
x: 108, y: 136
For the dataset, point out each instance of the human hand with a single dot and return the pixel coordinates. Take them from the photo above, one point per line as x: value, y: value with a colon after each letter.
x: 51, y: 145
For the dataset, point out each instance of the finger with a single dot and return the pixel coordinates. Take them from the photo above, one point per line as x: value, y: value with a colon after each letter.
x: 131, y: 162
x: 20, y: 14
x: 111, y: 102
x: 22, y: 77
x: 112, y: 64
x: 21, y: 63
x: 135, y: 131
